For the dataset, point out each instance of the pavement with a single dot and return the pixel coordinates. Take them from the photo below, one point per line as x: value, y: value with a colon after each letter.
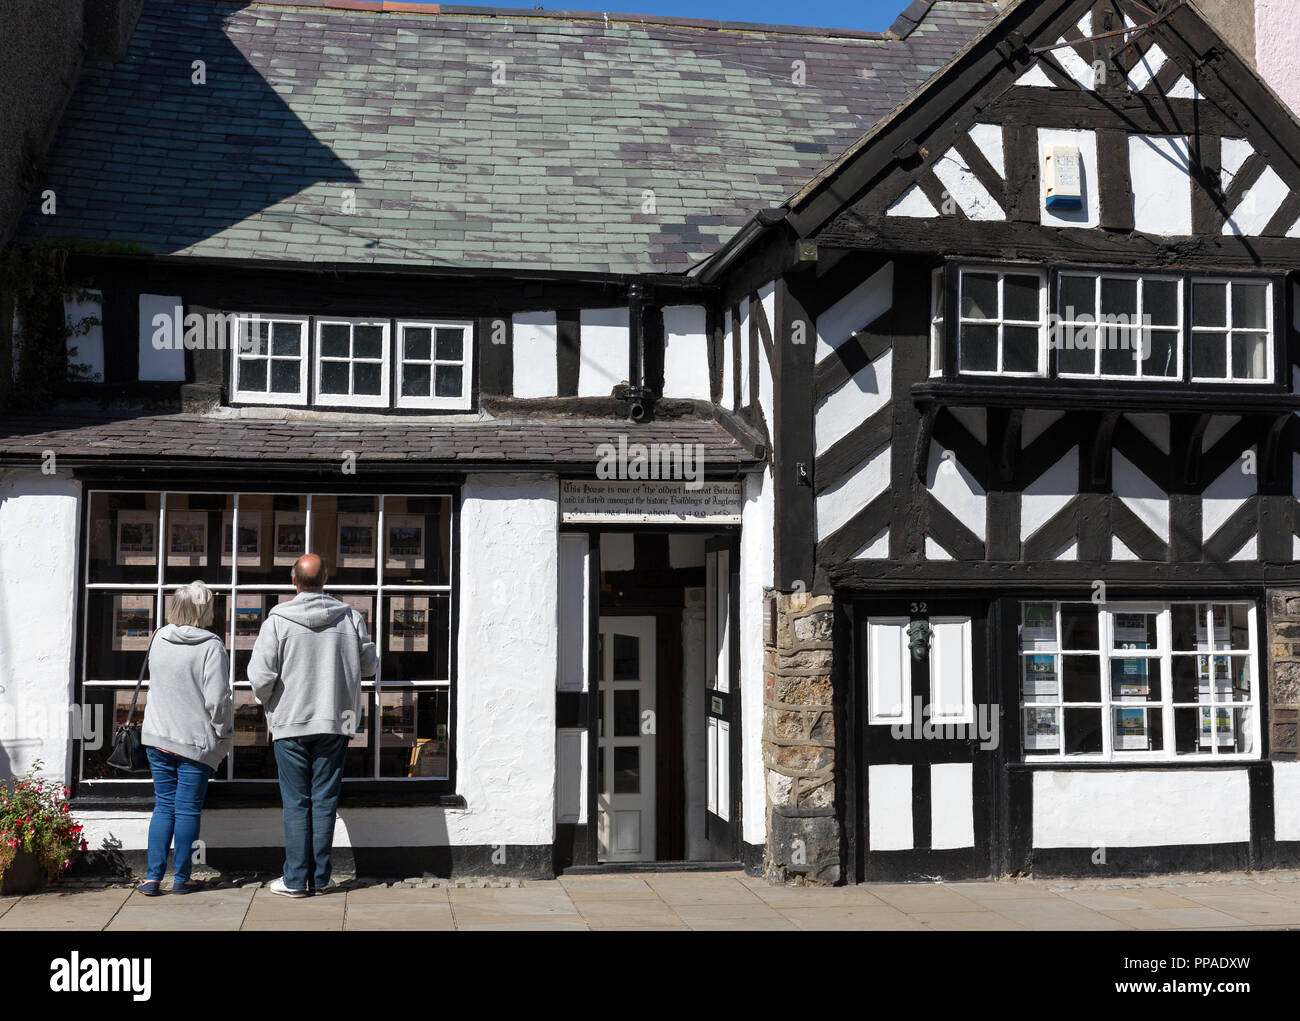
x: 681, y: 900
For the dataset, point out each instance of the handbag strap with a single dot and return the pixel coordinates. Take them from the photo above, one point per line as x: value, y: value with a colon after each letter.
x: 130, y: 716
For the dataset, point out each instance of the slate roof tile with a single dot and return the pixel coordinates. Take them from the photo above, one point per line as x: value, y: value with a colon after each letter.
x: 303, y: 100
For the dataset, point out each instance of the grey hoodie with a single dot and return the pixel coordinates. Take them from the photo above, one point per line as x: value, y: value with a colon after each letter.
x: 189, y: 709
x: 307, y: 666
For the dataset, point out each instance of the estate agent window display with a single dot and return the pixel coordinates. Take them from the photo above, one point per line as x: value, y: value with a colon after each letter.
x: 390, y: 557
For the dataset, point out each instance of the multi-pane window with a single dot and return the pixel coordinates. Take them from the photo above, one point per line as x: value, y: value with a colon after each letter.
x: 352, y: 362
x: 390, y: 558
x: 1161, y: 681
x: 434, y: 364
x: 1002, y: 327
x: 1118, y: 326
x: 271, y: 360
x: 1232, y: 330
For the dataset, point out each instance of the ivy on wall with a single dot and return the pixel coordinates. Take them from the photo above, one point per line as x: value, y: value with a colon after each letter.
x: 35, y: 332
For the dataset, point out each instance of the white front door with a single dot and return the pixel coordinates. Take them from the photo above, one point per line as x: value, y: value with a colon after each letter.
x: 625, y: 741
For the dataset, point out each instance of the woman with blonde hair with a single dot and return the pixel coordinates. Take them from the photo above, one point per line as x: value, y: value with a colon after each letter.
x: 188, y: 730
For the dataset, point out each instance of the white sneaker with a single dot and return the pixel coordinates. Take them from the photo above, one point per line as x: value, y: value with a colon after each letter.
x: 277, y: 886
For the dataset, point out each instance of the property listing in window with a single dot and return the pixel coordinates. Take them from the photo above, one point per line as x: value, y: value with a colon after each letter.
x: 1164, y: 681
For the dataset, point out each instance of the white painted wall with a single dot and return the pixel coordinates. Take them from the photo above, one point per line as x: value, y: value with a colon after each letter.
x: 167, y: 365
x: 686, y: 353
x: 955, y: 488
x: 536, y: 369
x: 1140, y: 495
x: 767, y: 299
x: 1141, y: 808
x: 728, y: 363
x: 1277, y: 41
x: 835, y: 507
x: 1160, y: 171
x: 1048, y: 493
x: 757, y: 568
x: 38, y: 605
x: 89, y: 345
x: 604, y: 351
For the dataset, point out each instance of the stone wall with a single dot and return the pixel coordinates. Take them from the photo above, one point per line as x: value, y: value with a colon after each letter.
x: 799, y: 744
x: 1282, y: 671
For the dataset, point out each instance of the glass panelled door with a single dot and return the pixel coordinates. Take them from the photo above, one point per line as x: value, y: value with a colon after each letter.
x: 625, y: 745
x: 722, y: 703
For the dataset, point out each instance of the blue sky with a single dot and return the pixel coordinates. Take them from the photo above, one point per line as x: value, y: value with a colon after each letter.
x: 865, y: 15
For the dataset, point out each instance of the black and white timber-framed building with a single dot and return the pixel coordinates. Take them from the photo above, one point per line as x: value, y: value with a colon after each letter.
x: 975, y: 548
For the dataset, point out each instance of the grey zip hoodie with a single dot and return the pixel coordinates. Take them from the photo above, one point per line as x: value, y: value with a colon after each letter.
x: 307, y: 666
x: 189, y: 711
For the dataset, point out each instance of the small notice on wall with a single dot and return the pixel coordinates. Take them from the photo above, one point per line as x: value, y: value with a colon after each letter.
x: 669, y: 503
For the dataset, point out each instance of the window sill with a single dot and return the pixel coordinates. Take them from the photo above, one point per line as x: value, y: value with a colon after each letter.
x: 137, y: 796
x: 1056, y: 394
x: 1067, y: 764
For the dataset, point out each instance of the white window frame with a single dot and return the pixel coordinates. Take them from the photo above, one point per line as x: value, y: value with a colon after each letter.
x: 1097, y: 277
x: 937, y: 297
x: 351, y: 400
x: 459, y: 403
x: 1164, y: 653
x: 1002, y: 272
x: 1269, y: 332
x: 243, y: 396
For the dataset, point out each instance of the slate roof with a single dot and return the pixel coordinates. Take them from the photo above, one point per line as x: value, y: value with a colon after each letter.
x: 546, y: 170
x: 112, y: 438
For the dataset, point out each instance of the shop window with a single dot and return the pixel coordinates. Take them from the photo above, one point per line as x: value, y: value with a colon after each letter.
x: 389, y: 557
x: 1168, y: 682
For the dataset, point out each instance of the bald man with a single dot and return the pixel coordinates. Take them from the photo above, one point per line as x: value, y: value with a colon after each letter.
x: 306, y: 668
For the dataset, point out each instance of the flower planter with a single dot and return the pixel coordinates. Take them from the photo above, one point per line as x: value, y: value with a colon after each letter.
x: 25, y: 875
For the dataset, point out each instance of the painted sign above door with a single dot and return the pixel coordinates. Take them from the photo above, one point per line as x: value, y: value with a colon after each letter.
x: 667, y: 503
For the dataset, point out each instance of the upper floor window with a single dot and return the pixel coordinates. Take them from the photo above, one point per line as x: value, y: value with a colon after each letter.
x: 271, y: 360
x: 1114, y: 325
x: 1003, y: 318
x: 1118, y: 326
x: 1232, y: 330
x: 344, y: 362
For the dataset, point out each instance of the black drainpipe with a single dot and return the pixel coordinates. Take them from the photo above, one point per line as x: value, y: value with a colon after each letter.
x: 640, y: 401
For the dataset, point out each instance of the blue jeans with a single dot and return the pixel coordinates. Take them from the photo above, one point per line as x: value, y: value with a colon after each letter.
x: 179, y: 786
x: 311, y: 777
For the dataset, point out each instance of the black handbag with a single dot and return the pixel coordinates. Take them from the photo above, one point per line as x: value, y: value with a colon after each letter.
x: 128, y: 752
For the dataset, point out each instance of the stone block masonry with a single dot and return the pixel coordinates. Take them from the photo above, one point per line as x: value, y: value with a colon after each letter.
x: 799, y: 743
x: 1283, y: 673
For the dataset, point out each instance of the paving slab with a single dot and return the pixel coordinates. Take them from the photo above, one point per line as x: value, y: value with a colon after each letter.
x: 733, y: 916
x: 924, y: 897
x: 1177, y: 918
x: 603, y: 913
x: 1127, y: 900
x: 1035, y: 913
x: 80, y: 909
x: 722, y: 889
x: 209, y: 909
x: 968, y: 921
x: 855, y: 917
x: 609, y: 888
x: 267, y: 906
x: 413, y: 916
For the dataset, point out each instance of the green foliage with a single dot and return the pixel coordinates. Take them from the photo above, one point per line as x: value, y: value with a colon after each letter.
x: 35, y: 817
x: 33, y: 288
